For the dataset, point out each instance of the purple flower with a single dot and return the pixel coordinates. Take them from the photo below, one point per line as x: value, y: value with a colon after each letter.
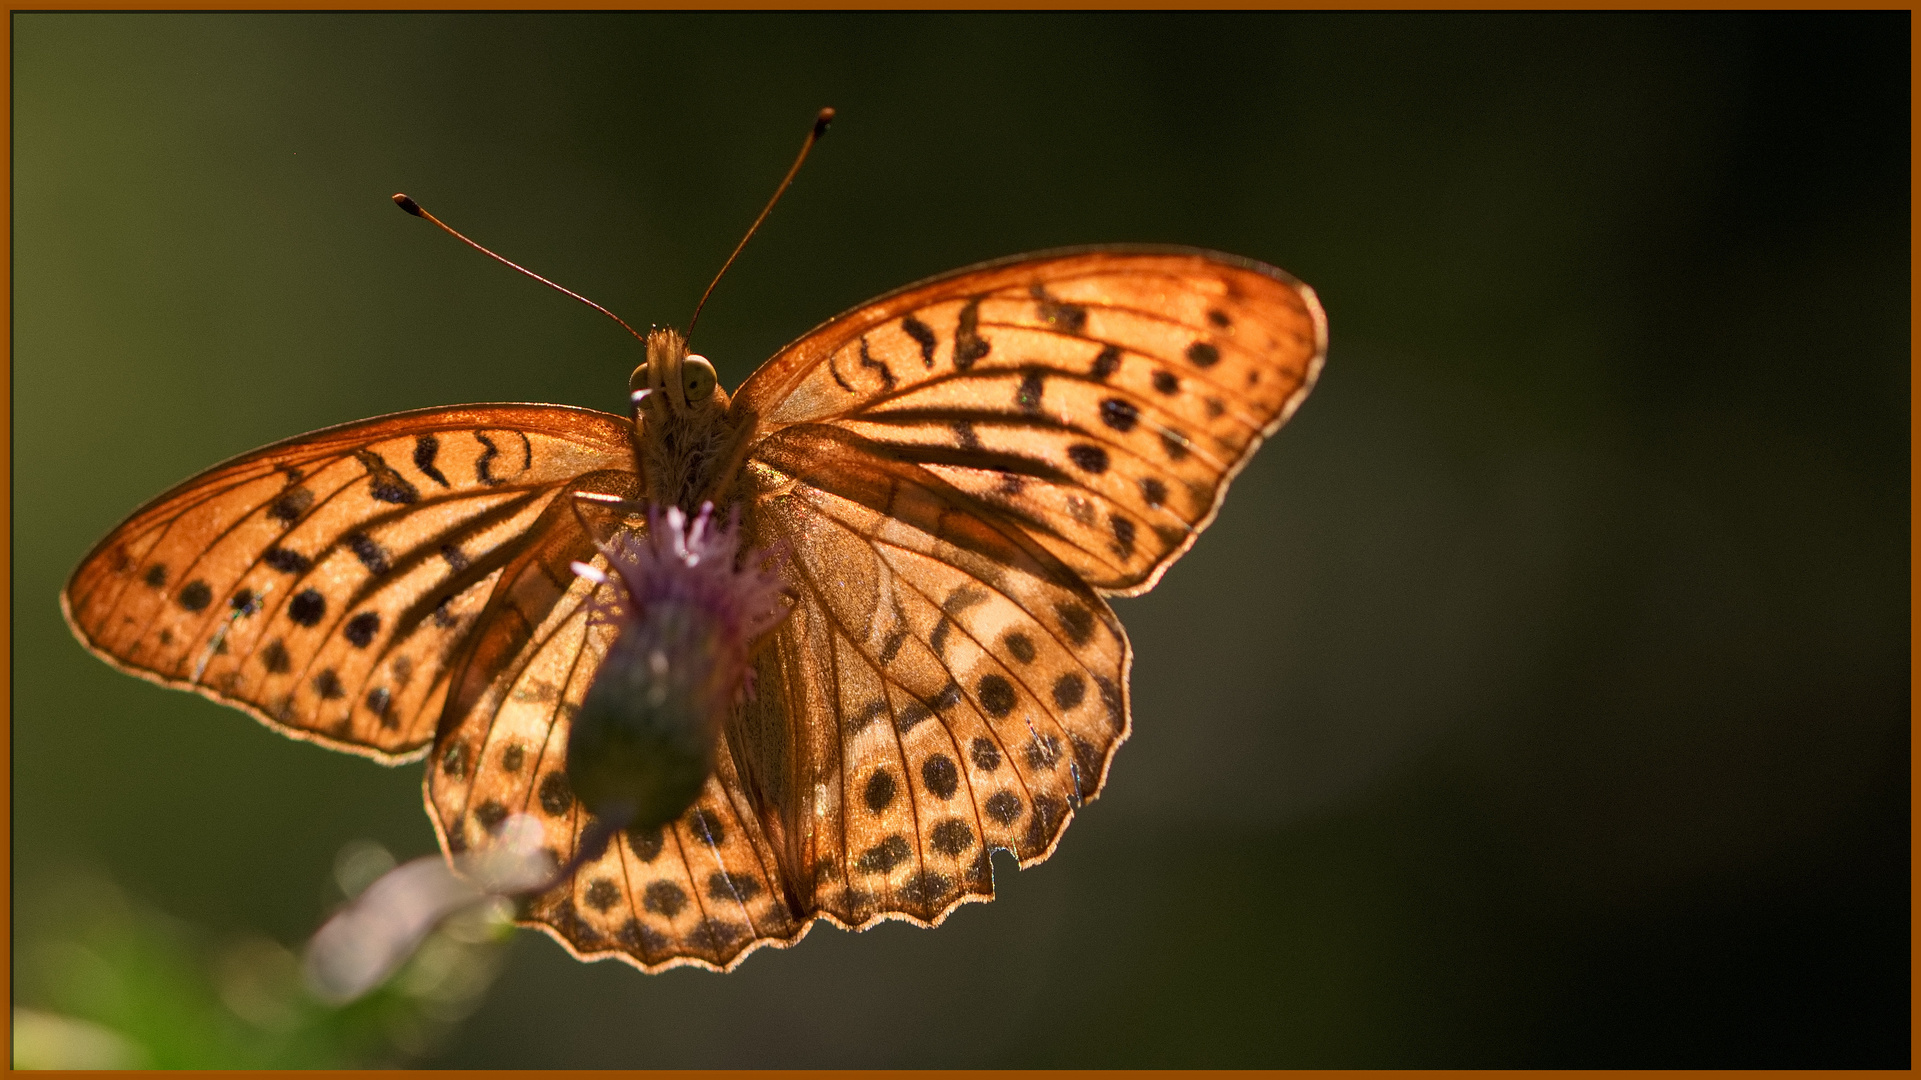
x: 689, y: 610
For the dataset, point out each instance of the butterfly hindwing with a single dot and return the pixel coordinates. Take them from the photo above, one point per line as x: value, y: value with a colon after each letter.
x: 953, y: 687
x: 327, y: 583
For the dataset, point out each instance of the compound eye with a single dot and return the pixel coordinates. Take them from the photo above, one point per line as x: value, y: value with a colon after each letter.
x: 698, y: 378
x: 638, y: 380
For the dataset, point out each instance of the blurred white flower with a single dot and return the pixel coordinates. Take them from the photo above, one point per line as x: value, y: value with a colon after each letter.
x: 381, y: 928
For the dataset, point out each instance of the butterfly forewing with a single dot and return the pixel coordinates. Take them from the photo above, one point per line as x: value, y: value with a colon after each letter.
x: 326, y: 584
x: 1102, y: 399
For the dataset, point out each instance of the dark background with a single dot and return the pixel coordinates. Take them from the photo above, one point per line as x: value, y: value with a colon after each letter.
x: 1539, y: 698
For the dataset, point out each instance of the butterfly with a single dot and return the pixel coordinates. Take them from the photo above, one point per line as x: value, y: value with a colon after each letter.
x: 955, y: 476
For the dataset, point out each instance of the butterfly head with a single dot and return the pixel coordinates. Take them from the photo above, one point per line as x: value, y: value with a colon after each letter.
x: 674, y: 385
x: 689, y: 446
x: 689, y: 611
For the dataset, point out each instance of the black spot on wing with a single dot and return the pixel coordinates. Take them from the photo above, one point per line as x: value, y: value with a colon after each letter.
x: 941, y: 775
x: 867, y: 361
x: 1076, y: 622
x: 602, y: 894
x: 962, y: 598
x: 308, y: 607
x: 1203, y: 355
x: 646, y: 842
x: 1089, y: 458
x: 285, y: 561
x: 1107, y: 362
x: 484, y: 464
x: 1057, y: 314
x: 383, y: 483
x: 885, y: 855
x: 1167, y: 382
x: 453, y: 761
x: 833, y: 368
x: 664, y: 898
x: 986, y: 756
x: 426, y: 448
x: 327, y: 684
x: 1003, y: 807
x: 951, y: 837
x: 910, y: 715
x: 969, y: 346
x: 880, y: 790
x: 948, y: 697
x: 1070, y: 690
x: 722, y: 885
x: 156, y: 576
x: 556, y: 797
x: 1028, y: 397
x: 925, y: 889
x: 1048, y: 812
x: 868, y: 713
x: 923, y: 336
x: 369, y: 552
x: 290, y: 505
x: 196, y: 596
x: 1019, y: 646
x: 1043, y: 752
x: 707, y: 827
x: 996, y: 695
x: 363, y: 628
x: 1119, y: 414
x: 1123, y: 536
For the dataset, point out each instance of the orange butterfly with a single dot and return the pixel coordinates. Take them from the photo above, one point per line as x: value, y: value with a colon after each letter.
x: 953, y: 476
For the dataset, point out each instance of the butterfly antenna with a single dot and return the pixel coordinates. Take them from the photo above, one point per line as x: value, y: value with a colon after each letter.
x: 825, y: 117
x: 418, y: 211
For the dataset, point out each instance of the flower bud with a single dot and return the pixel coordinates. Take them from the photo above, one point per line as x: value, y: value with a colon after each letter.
x: 689, y: 612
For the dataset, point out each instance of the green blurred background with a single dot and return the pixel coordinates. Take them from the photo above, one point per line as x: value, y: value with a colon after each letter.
x: 1539, y: 698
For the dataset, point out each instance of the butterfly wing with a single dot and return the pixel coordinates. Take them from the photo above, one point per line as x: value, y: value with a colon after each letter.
x: 329, y: 584
x: 944, y: 686
x: 958, y: 471
x: 1099, y: 400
